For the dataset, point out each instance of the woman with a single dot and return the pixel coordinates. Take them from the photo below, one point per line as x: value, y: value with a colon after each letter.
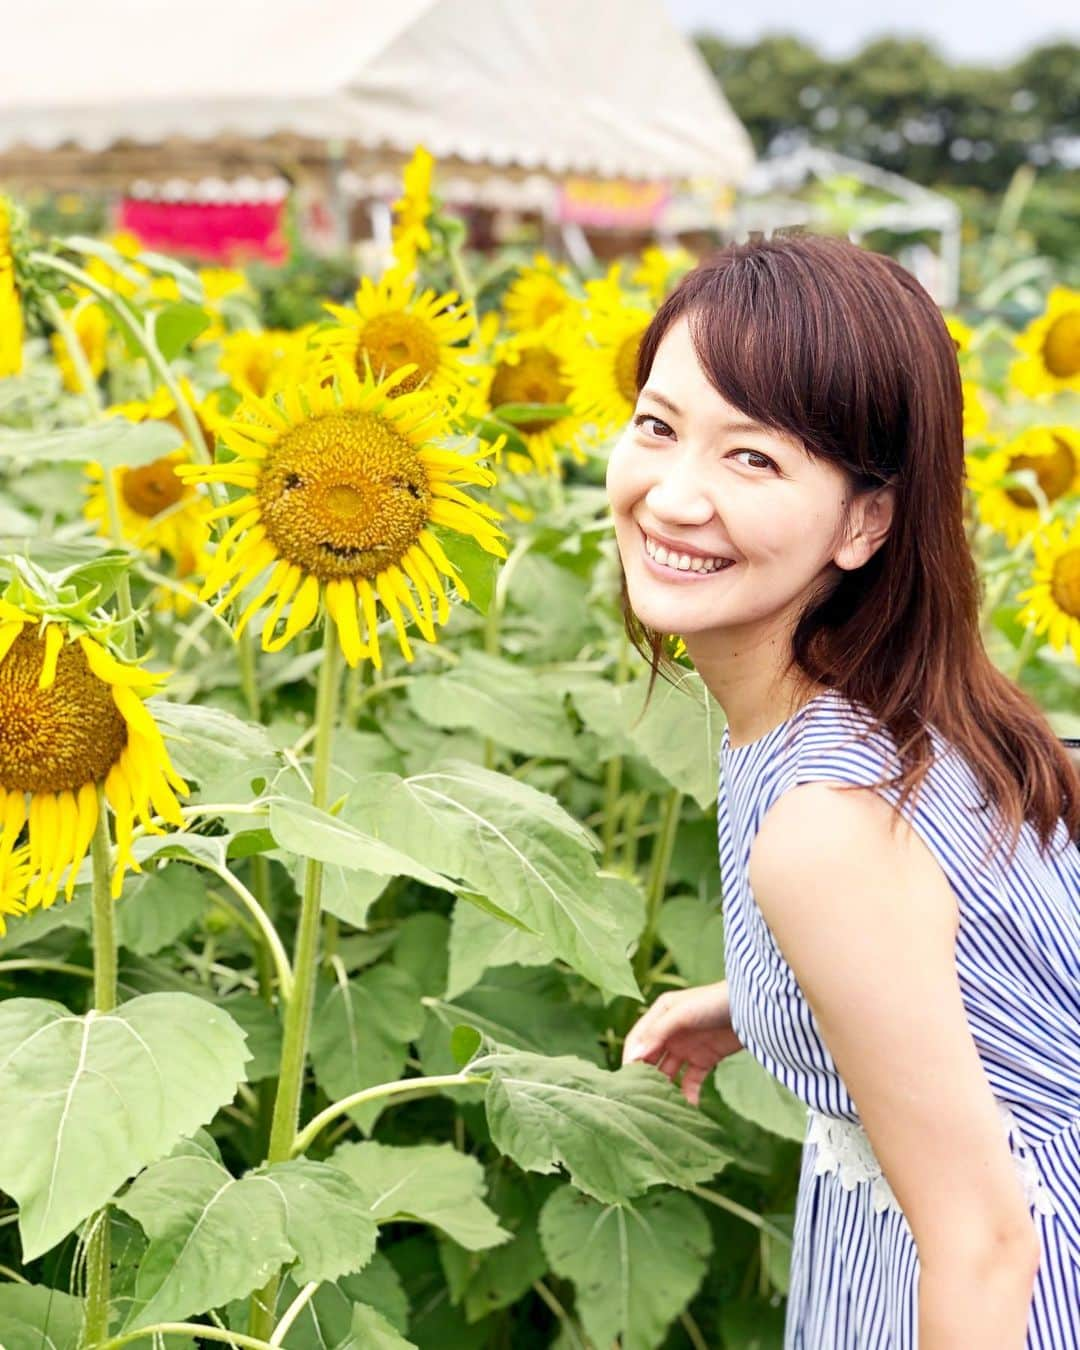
x: 901, y: 891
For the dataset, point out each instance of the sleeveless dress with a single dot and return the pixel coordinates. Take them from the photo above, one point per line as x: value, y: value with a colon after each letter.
x: 855, y: 1269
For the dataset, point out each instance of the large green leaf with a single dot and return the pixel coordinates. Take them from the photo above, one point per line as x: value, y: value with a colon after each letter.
x: 634, y: 1267
x: 615, y: 1133
x: 177, y: 325
x: 748, y: 1088
x: 679, y: 735
x: 371, y: 1331
x: 361, y: 1033
x: 112, y: 442
x: 693, y: 932
x: 158, y: 906
x: 33, y: 1317
x: 503, y: 700
x: 88, y: 1101
x: 215, y: 1237
x: 428, y: 1183
x: 479, y: 941
x: 325, y: 1321
x: 510, y: 843
x: 215, y: 750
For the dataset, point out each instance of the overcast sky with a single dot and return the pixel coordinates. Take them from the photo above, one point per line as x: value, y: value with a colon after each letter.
x: 993, y: 32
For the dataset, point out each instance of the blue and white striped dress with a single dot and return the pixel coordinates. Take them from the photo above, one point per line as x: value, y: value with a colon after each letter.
x: 854, y: 1273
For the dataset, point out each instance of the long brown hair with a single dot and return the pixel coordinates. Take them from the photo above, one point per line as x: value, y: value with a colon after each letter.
x: 843, y: 349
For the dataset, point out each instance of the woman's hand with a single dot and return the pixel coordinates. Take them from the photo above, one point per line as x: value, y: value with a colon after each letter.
x: 685, y: 1027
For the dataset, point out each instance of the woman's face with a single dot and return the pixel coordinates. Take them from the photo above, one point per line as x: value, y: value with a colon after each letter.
x: 697, y: 478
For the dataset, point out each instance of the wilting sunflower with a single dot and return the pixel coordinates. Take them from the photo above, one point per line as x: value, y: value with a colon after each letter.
x: 412, y: 210
x: 392, y: 324
x: 71, y: 716
x: 539, y: 299
x: 1050, y: 347
x: 158, y: 511
x: 92, y: 330
x: 659, y: 269
x: 1053, y: 598
x: 603, y: 367
x: 1051, y: 453
x: 530, y: 368
x: 341, y: 479
x: 11, y: 320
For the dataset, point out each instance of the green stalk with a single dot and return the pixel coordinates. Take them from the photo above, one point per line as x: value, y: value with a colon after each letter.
x: 663, y: 848
x: 298, y: 1009
x: 613, y: 778
x: 96, y: 1314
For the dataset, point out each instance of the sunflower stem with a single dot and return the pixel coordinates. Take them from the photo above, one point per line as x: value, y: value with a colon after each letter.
x: 465, y: 285
x: 96, y: 1322
x: 657, y: 883
x: 76, y: 355
x: 299, y: 1006
x: 613, y: 780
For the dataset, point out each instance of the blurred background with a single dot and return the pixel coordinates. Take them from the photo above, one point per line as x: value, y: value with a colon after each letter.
x: 275, y: 134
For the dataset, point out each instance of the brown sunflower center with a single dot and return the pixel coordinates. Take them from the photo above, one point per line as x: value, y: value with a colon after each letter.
x: 55, y: 739
x: 343, y: 495
x: 626, y: 366
x: 1061, y: 346
x: 1055, y: 473
x: 152, y: 487
x: 1065, y: 583
x: 392, y: 340
x: 537, y: 378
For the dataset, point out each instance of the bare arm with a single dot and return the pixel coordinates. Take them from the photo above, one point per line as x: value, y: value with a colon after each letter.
x: 867, y: 921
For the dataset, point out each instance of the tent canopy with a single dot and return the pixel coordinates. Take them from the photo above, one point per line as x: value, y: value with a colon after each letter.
x: 605, y: 87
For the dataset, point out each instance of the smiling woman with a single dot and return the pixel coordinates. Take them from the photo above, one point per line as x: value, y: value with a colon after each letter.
x: 788, y: 497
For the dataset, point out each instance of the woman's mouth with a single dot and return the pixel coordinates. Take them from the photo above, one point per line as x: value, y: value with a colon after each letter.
x: 673, y: 566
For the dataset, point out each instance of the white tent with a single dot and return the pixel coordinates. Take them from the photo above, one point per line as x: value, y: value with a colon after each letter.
x: 599, y: 87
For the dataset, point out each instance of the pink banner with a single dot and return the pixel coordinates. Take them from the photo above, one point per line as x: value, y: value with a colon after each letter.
x: 226, y: 232
x: 612, y: 202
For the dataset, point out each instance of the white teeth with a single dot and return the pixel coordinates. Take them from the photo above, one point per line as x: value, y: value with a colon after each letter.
x: 683, y: 562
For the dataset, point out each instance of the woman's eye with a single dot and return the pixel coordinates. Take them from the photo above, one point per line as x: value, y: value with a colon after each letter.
x: 647, y: 417
x: 765, y: 461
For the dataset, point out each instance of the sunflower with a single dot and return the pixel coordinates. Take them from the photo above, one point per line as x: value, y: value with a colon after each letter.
x: 92, y: 329
x: 976, y: 417
x: 1051, y: 453
x: 603, y: 367
x: 72, y: 716
x: 412, y: 211
x: 11, y: 320
x: 158, y: 511
x: 1050, y: 347
x: 253, y: 361
x: 392, y: 324
x: 533, y: 368
x: 14, y: 876
x: 341, y: 479
x: 659, y: 269
x: 962, y: 334
x: 539, y: 299
x: 1053, y: 598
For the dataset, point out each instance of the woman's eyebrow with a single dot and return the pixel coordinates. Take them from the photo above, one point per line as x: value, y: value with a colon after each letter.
x: 665, y: 402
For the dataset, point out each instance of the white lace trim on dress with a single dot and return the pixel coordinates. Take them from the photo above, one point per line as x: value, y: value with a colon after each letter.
x: 844, y: 1147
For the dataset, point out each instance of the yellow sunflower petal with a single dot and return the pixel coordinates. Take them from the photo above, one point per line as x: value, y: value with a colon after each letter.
x: 54, y: 640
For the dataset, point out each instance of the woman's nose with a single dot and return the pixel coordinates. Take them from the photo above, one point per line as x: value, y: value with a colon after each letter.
x: 679, y: 495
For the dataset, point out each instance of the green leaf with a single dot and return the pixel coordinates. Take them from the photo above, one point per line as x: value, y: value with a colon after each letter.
x: 420, y: 948
x: 177, y: 325
x: 503, y: 700
x: 215, y: 1237
x: 158, y: 906
x: 751, y: 1091
x: 429, y: 1183
x: 215, y: 749
x: 90, y: 1100
x: 516, y: 413
x: 615, y: 1133
x: 261, y: 1024
x: 326, y: 1319
x: 361, y: 1033
x: 693, y: 932
x: 371, y: 1331
x: 510, y: 843
x: 33, y: 1317
x: 111, y: 442
x: 634, y: 1267
x: 477, y: 566
x: 679, y: 735
x: 316, y: 834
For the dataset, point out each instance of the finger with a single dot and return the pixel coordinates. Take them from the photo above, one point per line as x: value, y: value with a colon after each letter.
x: 641, y: 1044
x: 670, y: 1065
x: 693, y: 1078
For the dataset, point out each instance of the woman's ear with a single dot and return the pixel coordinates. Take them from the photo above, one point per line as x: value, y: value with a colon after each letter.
x: 869, y: 523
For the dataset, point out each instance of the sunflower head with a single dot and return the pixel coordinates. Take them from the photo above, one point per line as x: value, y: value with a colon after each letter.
x: 72, y: 718
x: 1050, y: 347
x: 341, y: 481
x: 1051, y: 604
x: 11, y: 319
x: 539, y: 299
x: 1051, y: 454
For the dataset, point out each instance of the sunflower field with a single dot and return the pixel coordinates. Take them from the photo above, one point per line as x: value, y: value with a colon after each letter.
x: 336, y: 854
